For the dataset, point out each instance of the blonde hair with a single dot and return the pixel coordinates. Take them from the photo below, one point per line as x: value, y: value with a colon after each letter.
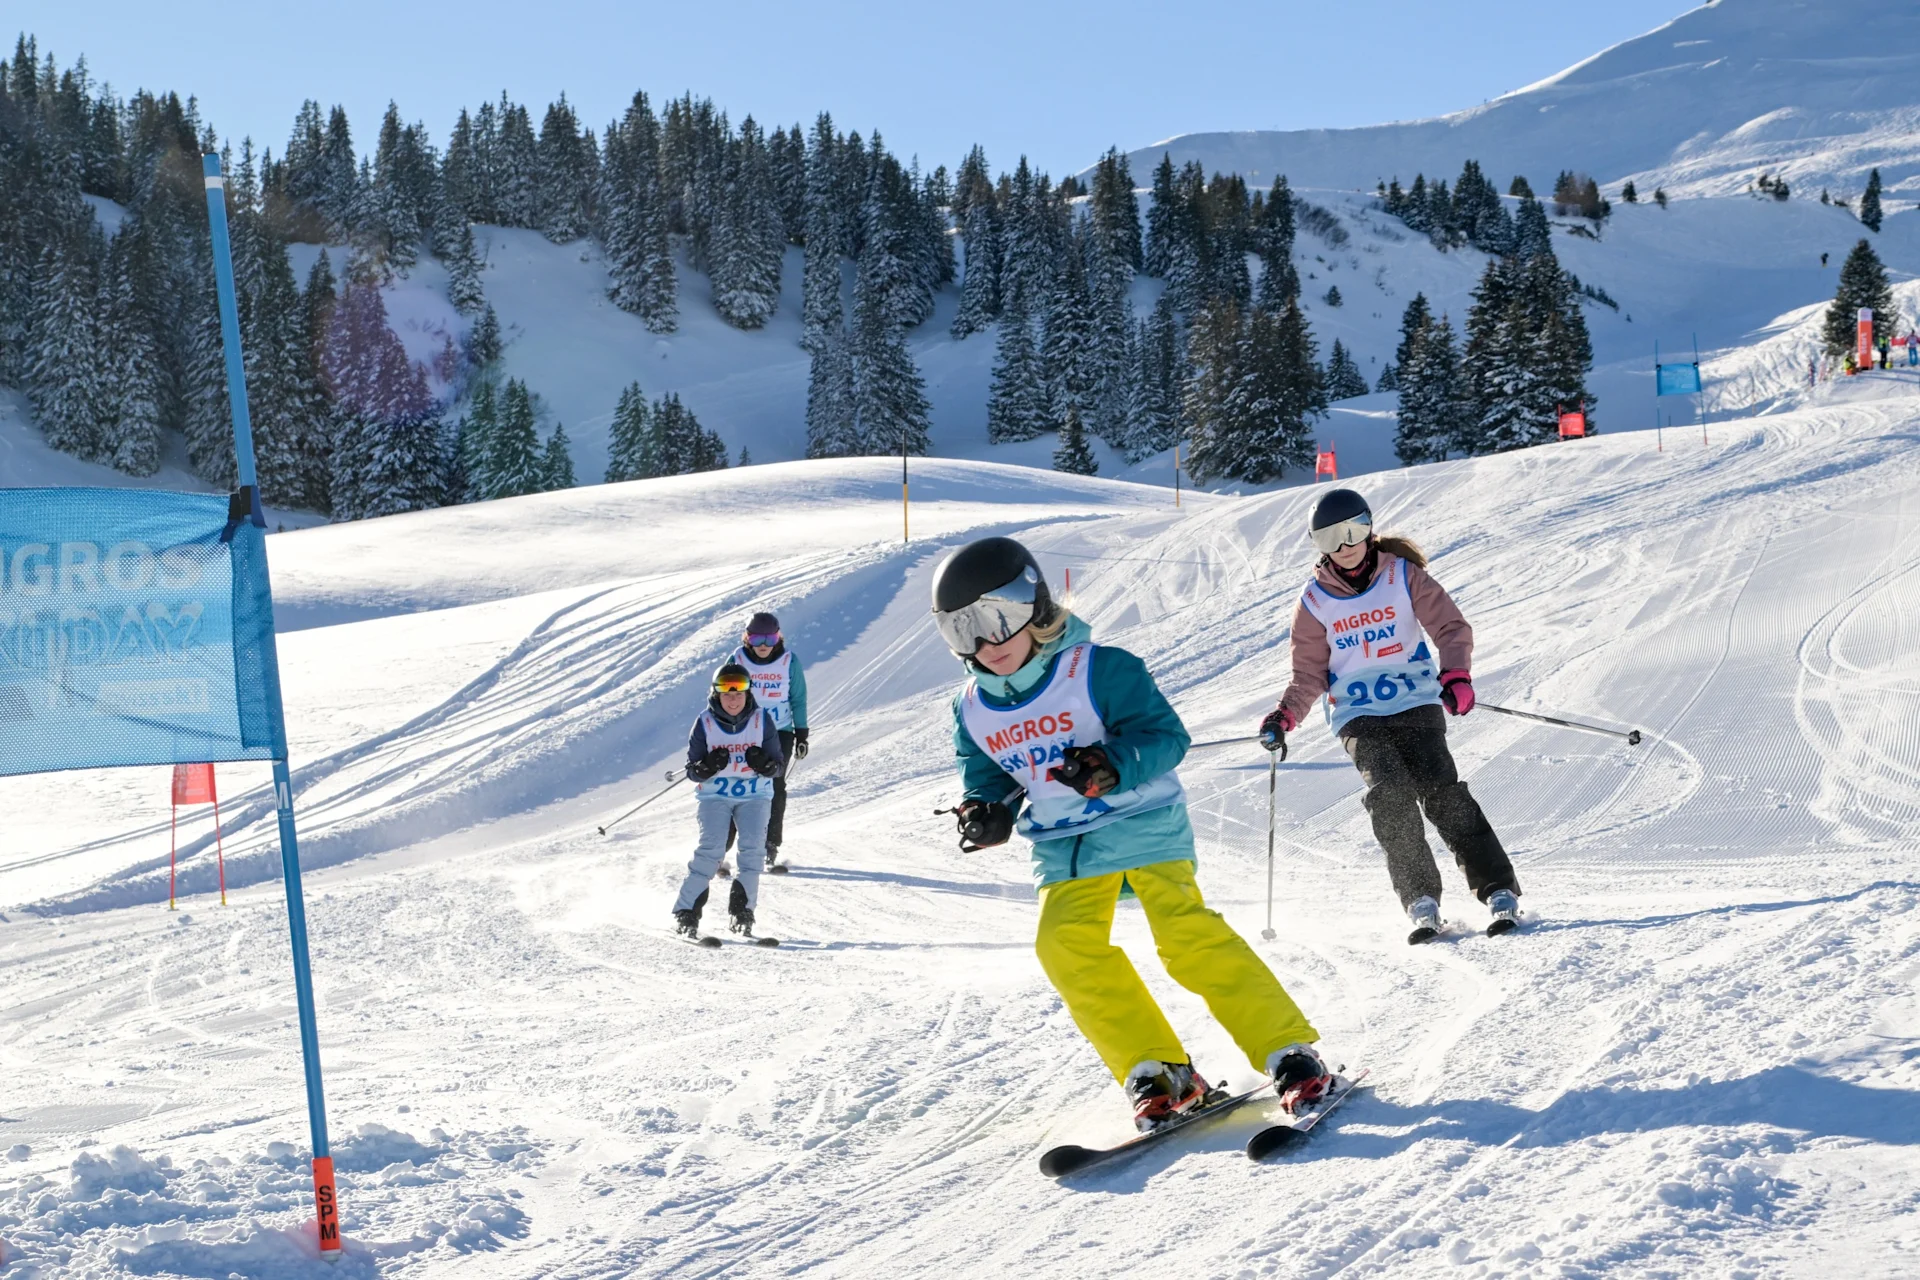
x: 1406, y: 548
x: 1055, y: 628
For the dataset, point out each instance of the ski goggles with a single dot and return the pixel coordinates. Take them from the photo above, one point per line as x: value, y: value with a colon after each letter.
x: 1342, y: 534
x: 995, y: 618
x: 732, y: 684
x: 757, y: 641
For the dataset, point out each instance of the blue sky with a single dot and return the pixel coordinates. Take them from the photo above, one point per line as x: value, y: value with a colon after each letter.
x: 1057, y: 81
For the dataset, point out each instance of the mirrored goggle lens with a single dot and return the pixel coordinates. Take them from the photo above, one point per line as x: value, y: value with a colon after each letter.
x: 768, y: 641
x: 732, y: 684
x: 1343, y: 534
x: 994, y: 618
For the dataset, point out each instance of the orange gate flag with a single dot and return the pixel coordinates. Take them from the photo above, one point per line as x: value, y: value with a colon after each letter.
x: 193, y: 784
x: 1325, y: 464
x: 1573, y: 424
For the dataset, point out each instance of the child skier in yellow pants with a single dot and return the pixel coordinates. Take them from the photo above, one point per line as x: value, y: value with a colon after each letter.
x: 1088, y: 737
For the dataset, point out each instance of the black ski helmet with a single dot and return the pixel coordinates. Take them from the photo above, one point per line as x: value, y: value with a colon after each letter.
x: 1339, y: 515
x: 1336, y: 505
x: 983, y: 569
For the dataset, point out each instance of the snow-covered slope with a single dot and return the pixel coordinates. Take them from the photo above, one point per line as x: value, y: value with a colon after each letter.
x: 1811, y: 89
x: 1699, y: 1060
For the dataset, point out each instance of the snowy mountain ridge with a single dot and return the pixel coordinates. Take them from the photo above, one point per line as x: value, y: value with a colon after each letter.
x: 1702, y: 105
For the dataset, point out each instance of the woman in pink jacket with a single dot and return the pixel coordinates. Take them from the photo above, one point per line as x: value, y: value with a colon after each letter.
x: 1365, y: 635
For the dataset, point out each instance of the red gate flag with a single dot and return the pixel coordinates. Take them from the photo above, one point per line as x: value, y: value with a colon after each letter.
x: 1325, y: 464
x: 1864, y: 358
x: 1573, y: 424
x: 193, y: 784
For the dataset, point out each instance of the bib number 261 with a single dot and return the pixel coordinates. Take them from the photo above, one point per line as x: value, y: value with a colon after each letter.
x: 1385, y: 689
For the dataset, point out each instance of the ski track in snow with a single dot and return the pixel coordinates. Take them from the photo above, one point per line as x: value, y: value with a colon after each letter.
x: 1696, y: 1059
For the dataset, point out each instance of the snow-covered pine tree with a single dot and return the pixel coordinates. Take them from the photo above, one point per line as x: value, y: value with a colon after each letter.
x: 831, y: 429
x: 464, y: 290
x: 317, y: 302
x: 749, y: 237
x: 1114, y: 210
x: 1154, y: 420
x: 1027, y: 251
x: 1274, y: 396
x: 628, y: 437
x: 280, y: 390
x: 787, y: 150
x: 513, y: 453
x: 822, y: 313
x: 1863, y: 283
x: 1344, y: 379
x: 633, y: 220
x: 566, y: 173
x: 1110, y: 333
x: 1017, y: 399
x: 339, y: 173
x: 475, y: 443
x: 387, y: 449
x: 1162, y: 219
x: 132, y: 432
x: 1073, y: 456
x: 1219, y: 445
x: 980, y: 285
x: 556, y: 463
x: 64, y: 351
x: 891, y: 412
x: 1389, y: 379
x: 1870, y: 202
x: 1429, y: 413
x: 1066, y: 343
x: 1531, y: 232
x: 516, y: 169
x: 1273, y: 240
x: 484, y: 341
x: 457, y: 170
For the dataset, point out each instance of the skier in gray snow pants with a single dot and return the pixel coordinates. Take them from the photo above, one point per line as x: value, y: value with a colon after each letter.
x: 734, y: 754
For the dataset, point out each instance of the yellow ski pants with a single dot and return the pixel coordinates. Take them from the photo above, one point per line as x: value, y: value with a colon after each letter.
x: 1200, y: 950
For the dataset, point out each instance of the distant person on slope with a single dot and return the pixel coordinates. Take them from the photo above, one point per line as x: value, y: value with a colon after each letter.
x: 1360, y: 637
x: 1886, y: 352
x: 780, y: 687
x: 734, y: 754
x: 1087, y: 735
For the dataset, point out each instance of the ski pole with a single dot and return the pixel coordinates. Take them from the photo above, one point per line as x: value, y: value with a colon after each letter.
x: 643, y: 804
x: 1631, y: 735
x: 1224, y: 742
x: 1273, y: 774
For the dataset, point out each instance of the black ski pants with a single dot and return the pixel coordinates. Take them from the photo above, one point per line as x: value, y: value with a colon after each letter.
x: 777, y: 824
x: 1407, y: 768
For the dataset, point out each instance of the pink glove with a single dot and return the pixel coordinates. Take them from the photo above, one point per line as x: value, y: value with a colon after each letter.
x: 1456, y: 691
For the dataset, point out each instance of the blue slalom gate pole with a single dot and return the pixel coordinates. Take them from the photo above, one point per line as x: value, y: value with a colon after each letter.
x: 325, y: 1199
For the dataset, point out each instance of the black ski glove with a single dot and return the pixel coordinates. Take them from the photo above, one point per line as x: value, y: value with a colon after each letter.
x: 760, y: 762
x: 698, y: 770
x: 1087, y: 770
x: 799, y: 744
x: 983, y: 824
x: 1274, y: 730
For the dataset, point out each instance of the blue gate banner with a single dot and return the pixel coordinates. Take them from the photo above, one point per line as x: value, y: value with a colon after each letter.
x: 1676, y: 379
x: 136, y: 628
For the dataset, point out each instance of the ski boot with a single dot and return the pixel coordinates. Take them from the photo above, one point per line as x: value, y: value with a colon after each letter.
x: 773, y: 857
x: 686, y: 923
x: 1425, y: 914
x: 1506, y: 912
x: 738, y: 909
x: 1300, y: 1077
x: 1160, y: 1091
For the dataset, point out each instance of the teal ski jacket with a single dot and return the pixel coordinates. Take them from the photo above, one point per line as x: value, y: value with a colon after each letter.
x: 1144, y: 740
